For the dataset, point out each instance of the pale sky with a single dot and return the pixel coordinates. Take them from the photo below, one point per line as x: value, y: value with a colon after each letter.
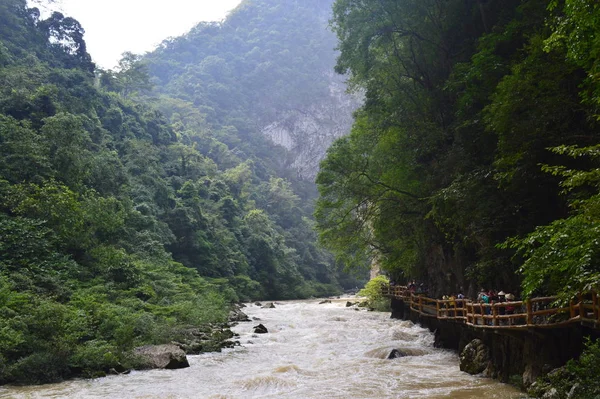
x: 115, y: 26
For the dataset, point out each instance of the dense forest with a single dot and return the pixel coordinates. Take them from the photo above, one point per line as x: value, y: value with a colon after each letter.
x: 269, y: 66
x: 474, y: 160
x: 139, y: 201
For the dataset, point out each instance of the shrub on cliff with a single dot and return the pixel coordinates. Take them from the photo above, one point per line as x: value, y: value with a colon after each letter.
x: 578, y: 379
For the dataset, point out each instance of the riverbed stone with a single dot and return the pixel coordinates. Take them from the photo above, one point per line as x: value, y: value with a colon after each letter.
x: 269, y: 305
x: 475, y: 357
x: 166, y: 356
x: 395, y: 353
x: 260, y: 329
x: 236, y: 315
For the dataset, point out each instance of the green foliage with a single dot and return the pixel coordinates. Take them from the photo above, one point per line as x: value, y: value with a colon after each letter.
x: 121, y: 226
x: 563, y: 256
x: 577, y: 379
x: 576, y: 33
x: 463, y: 100
x: 373, y: 290
x: 586, y: 369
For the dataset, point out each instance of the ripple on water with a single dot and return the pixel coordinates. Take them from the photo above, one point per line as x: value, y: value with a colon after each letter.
x: 384, y: 351
x: 400, y: 335
x: 287, y: 369
x: 266, y: 384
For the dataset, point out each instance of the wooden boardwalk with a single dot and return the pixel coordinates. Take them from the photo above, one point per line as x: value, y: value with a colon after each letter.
x: 515, y: 315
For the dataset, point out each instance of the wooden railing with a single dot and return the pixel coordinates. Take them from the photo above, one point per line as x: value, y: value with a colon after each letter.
x: 535, y: 312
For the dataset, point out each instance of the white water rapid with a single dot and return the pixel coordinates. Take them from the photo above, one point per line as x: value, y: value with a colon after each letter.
x: 320, y: 351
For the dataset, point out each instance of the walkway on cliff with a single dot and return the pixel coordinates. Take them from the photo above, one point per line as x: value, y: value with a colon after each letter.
x: 514, y: 315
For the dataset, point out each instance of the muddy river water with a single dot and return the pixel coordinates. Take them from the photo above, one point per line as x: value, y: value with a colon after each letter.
x: 312, y: 350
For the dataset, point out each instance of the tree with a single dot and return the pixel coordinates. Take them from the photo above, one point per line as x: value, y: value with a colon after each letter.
x: 563, y: 257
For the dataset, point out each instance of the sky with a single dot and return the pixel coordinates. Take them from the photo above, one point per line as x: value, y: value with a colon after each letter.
x: 115, y: 26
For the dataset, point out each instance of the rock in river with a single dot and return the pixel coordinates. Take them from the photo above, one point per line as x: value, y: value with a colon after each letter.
x: 161, y: 357
x: 475, y: 357
x: 395, y: 353
x: 260, y: 329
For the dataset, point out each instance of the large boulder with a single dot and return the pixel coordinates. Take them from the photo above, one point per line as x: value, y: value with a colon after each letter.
x: 475, y: 357
x: 236, y: 315
x: 269, y: 305
x: 161, y: 357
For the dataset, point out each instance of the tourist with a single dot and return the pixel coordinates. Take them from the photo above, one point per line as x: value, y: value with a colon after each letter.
x: 510, y: 308
x: 445, y: 311
x: 483, y: 299
x: 460, y: 302
x: 452, y: 299
x: 501, y: 309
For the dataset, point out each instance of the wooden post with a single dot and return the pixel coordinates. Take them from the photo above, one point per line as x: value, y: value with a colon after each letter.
x: 495, y: 314
x: 420, y: 304
x: 572, y: 309
x: 581, y: 307
x: 437, y: 308
x: 467, y: 306
x: 529, y: 313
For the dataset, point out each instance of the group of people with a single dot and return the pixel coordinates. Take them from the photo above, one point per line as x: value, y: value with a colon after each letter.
x: 455, y: 301
x: 492, y: 297
x: 417, y: 288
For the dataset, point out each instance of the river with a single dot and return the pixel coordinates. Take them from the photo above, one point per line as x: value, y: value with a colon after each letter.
x: 312, y: 350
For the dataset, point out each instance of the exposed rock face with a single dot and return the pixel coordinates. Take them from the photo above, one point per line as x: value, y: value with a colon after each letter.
x: 269, y: 305
x: 161, y: 357
x: 475, y: 357
x: 309, y: 131
x: 260, y: 329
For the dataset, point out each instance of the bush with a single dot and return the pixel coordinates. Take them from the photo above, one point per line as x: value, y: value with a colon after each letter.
x: 372, y: 291
x: 93, y: 356
x: 587, y: 370
x: 578, y: 379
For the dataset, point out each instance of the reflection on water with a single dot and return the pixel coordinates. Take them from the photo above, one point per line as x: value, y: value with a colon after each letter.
x: 324, y: 351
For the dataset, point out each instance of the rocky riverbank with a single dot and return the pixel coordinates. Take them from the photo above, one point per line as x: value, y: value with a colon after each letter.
x: 190, y: 341
x: 211, y: 337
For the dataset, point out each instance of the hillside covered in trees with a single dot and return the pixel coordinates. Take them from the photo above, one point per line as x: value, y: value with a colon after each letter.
x: 474, y: 160
x: 126, y: 214
x: 268, y: 67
